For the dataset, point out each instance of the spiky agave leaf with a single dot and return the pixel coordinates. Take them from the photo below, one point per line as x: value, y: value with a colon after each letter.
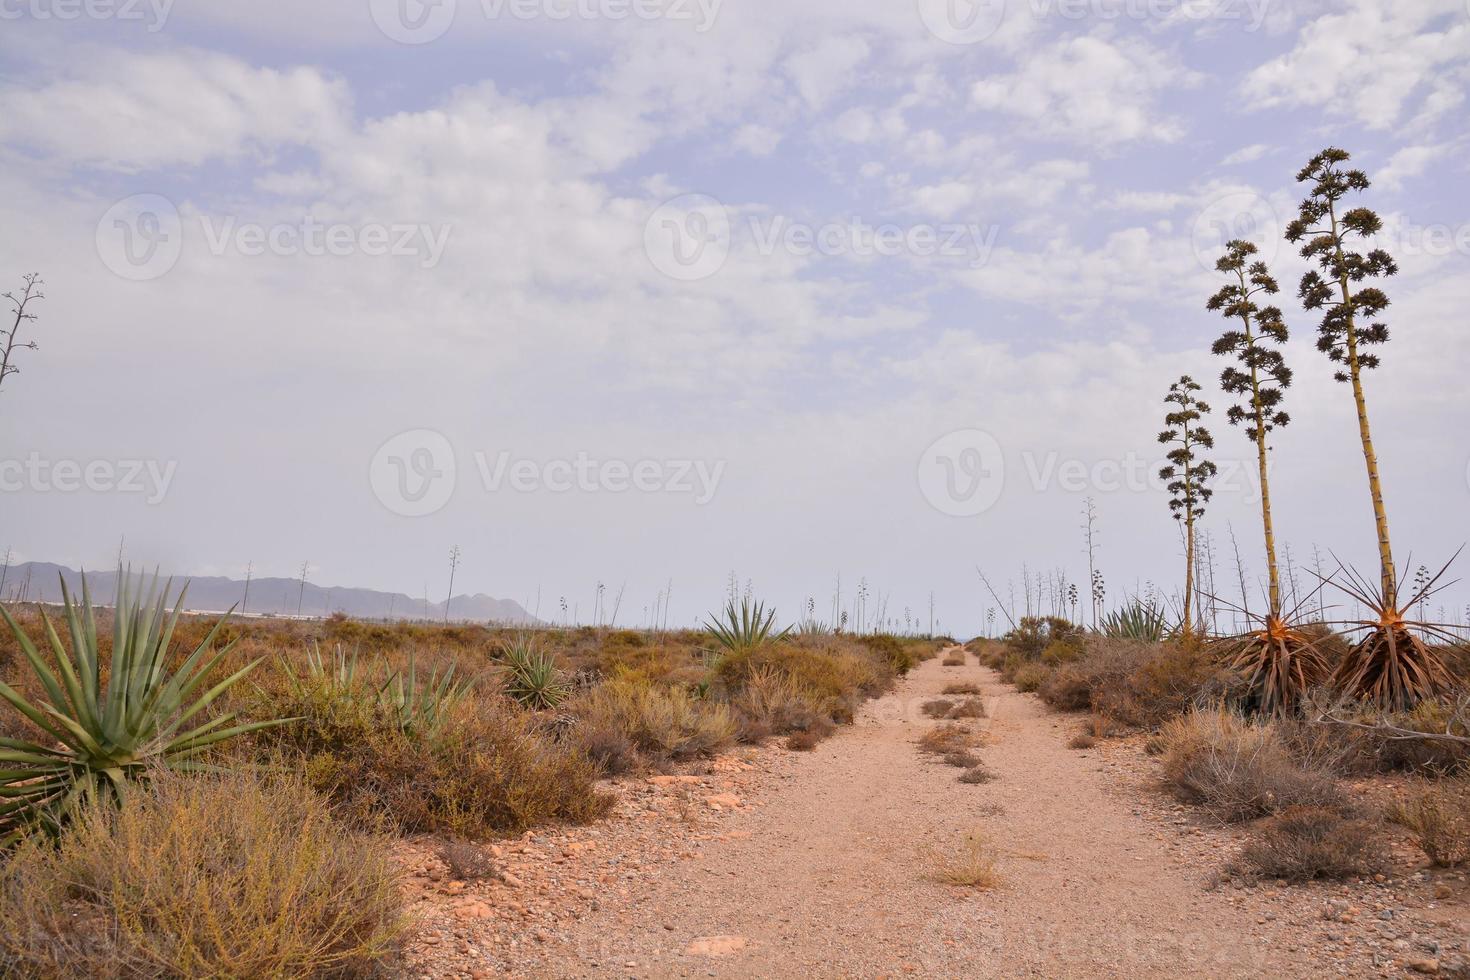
x: 745, y: 626
x: 421, y: 710
x: 1277, y: 658
x: 532, y: 676
x: 1136, y: 621
x: 1279, y: 663
x: 1392, y: 666
x: 100, y: 738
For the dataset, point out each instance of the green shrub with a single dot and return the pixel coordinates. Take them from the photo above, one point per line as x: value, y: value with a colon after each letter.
x: 202, y: 877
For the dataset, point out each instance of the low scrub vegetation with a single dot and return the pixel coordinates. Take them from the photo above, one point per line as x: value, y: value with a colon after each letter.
x: 1306, y: 842
x: 211, y: 876
x: 1240, y: 769
x: 1439, y: 819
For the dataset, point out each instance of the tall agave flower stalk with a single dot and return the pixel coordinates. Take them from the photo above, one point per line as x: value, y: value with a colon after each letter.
x: 1391, y: 664
x: 1278, y: 661
x: 100, y: 735
x: 1189, y: 473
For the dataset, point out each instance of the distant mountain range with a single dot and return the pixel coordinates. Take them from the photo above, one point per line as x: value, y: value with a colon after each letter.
x: 39, y: 581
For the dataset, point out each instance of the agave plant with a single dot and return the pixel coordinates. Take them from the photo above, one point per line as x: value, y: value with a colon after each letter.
x: 1392, y: 666
x: 532, y: 677
x: 1136, y: 621
x: 101, y: 735
x: 419, y: 710
x: 338, y: 675
x: 746, y: 626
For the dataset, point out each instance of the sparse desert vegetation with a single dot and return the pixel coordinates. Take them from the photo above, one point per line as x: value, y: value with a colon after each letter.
x: 665, y: 315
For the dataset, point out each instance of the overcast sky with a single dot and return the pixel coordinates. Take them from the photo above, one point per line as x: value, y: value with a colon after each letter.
x: 640, y: 293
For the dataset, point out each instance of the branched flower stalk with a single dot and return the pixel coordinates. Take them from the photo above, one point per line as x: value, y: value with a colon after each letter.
x: 1278, y: 661
x: 1188, y: 472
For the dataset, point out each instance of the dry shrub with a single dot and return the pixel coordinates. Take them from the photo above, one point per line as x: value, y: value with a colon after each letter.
x: 942, y: 739
x: 971, y: 865
x: 1030, y: 677
x: 955, y: 659
x: 467, y: 861
x: 976, y: 774
x: 936, y: 709
x: 1238, y: 769
x: 900, y: 655
x: 772, y: 702
x: 1034, y: 634
x: 491, y: 770
x: 803, y: 741
x: 832, y: 674
x: 961, y: 688
x: 224, y: 876
x: 1439, y: 819
x: 659, y: 724
x: 1066, y: 689
x: 1082, y: 740
x: 961, y: 759
x: 968, y: 708
x: 1306, y: 842
x: 1380, y: 752
x: 1146, y: 684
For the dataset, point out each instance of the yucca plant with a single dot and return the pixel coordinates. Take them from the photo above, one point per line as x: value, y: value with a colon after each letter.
x: 416, y: 710
x: 101, y: 735
x: 746, y: 626
x: 1136, y: 621
x: 532, y: 677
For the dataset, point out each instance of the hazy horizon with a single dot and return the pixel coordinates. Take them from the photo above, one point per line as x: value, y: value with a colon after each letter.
x: 658, y: 293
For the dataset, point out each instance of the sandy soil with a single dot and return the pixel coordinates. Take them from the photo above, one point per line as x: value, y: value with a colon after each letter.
x: 822, y: 864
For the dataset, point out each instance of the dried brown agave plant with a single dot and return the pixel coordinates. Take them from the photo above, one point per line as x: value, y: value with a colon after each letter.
x: 1278, y: 660
x: 1394, y: 665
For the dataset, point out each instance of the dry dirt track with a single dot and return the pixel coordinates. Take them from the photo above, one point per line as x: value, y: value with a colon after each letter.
x: 833, y: 879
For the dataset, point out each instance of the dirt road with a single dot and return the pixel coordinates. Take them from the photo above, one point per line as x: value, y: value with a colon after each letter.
x: 830, y: 874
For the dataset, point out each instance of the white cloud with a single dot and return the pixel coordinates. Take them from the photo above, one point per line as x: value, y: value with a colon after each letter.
x: 1369, y: 61
x: 1406, y: 164
x: 1089, y: 89
x: 757, y: 140
x: 1246, y: 154
x: 827, y: 68
x: 125, y: 111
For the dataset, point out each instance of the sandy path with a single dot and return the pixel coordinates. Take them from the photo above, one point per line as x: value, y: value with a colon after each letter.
x: 834, y: 877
